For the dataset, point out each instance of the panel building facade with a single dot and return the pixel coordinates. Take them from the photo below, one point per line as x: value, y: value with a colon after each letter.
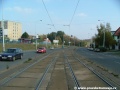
x: 12, y: 29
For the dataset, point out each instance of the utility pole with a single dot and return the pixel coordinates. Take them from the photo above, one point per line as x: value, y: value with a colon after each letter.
x: 36, y: 36
x: 3, y: 28
x: 36, y: 40
x: 63, y: 40
x: 46, y: 40
x: 104, y: 38
x: 103, y: 35
x: 69, y: 33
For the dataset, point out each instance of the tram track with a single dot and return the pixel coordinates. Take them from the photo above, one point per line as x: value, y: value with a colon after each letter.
x: 8, y: 72
x: 60, y: 70
x: 76, y: 83
x: 58, y: 79
x: 14, y: 70
x: 83, y: 75
x: 30, y: 77
x: 100, y: 70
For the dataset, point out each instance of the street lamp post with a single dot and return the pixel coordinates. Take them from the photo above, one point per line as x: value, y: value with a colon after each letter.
x: 3, y: 35
x: 104, y: 39
x: 3, y: 29
x: 36, y: 37
x: 69, y: 31
x: 63, y: 41
x: 93, y: 40
x: 46, y: 40
x: 103, y: 34
x: 36, y: 41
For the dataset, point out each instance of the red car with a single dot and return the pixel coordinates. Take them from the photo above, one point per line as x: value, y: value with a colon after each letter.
x: 41, y: 50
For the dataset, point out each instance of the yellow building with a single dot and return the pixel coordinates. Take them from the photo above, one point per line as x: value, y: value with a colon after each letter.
x: 13, y: 30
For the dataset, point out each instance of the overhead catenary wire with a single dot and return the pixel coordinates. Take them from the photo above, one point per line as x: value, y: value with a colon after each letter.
x: 51, y: 18
x: 48, y: 14
x: 74, y: 12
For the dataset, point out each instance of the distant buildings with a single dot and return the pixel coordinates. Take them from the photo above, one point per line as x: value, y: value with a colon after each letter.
x: 12, y: 29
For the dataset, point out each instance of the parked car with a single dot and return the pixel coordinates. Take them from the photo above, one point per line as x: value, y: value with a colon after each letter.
x: 91, y: 49
x: 41, y: 50
x: 11, y: 54
x: 51, y: 48
x: 97, y: 50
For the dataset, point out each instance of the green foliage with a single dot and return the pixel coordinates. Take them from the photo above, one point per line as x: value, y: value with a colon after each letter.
x: 59, y: 38
x: 42, y: 37
x: 109, y: 40
x: 60, y: 34
x: 83, y: 43
x: 25, y: 35
x: 52, y: 36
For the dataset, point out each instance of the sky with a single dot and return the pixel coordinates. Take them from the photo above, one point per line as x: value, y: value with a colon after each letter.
x: 75, y: 17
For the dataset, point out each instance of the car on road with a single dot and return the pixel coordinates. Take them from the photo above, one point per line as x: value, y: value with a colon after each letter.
x: 51, y: 48
x: 97, y: 50
x: 91, y: 49
x: 41, y: 50
x: 11, y: 54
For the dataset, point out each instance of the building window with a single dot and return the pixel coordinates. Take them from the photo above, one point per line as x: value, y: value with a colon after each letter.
x: 118, y: 37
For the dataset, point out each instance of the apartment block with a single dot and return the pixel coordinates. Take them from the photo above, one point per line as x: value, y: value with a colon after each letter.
x: 12, y: 29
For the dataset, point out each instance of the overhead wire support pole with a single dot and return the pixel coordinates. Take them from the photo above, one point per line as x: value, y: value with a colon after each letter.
x: 3, y: 28
x: 69, y: 32
x: 103, y: 34
x: 72, y: 18
x: 36, y: 36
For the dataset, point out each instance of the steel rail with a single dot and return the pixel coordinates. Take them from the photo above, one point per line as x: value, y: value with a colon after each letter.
x: 73, y: 75
x: 98, y: 75
x: 45, y: 73
x: 12, y: 77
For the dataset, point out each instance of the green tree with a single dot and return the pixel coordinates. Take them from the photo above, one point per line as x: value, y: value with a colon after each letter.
x: 25, y: 35
x: 42, y: 38
x: 51, y: 36
x: 83, y: 43
x: 60, y: 34
x: 66, y: 39
x: 109, y: 40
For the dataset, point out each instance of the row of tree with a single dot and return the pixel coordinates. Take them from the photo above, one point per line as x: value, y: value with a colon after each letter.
x: 59, y: 35
x: 104, y: 33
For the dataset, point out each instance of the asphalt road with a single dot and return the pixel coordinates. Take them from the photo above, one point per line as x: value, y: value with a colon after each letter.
x: 107, y: 60
x: 26, y: 56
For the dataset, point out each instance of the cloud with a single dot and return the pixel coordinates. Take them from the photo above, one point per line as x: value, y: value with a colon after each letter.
x: 82, y: 15
x: 20, y: 9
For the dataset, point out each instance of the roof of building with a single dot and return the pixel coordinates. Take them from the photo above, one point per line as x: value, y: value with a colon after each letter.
x: 117, y: 32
